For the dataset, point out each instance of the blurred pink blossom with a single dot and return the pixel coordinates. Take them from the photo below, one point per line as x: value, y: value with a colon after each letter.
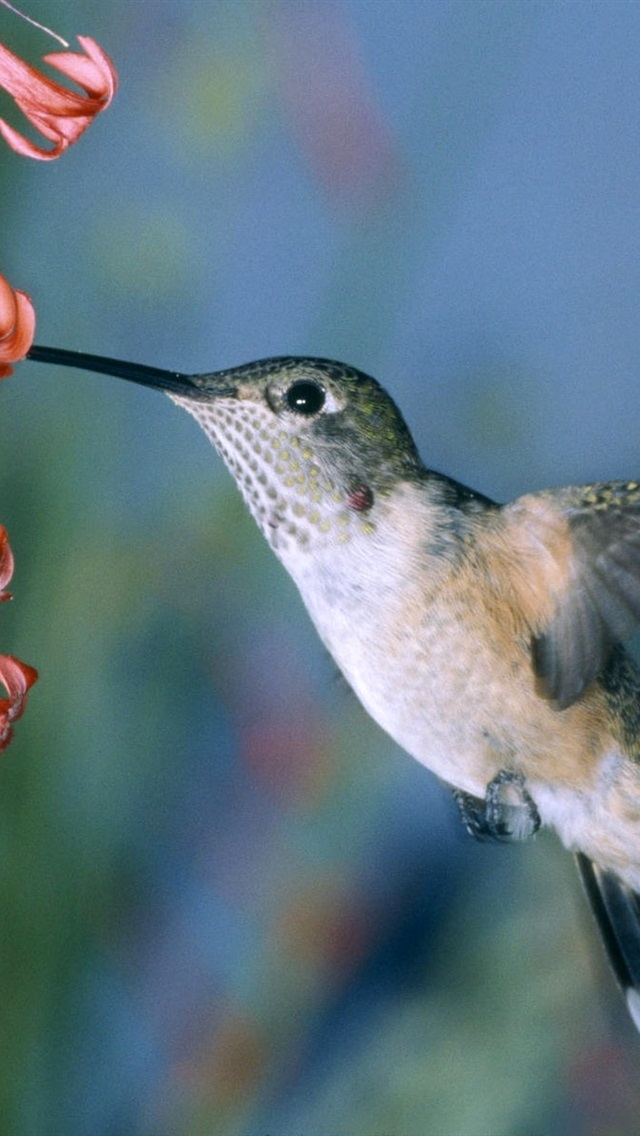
x: 330, y: 102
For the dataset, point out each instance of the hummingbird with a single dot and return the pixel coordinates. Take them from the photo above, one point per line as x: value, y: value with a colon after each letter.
x: 486, y: 639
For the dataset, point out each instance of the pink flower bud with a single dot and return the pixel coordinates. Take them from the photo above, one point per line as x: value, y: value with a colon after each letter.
x: 17, y: 326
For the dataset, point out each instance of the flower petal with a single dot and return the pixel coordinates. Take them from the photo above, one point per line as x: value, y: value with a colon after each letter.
x: 60, y: 114
x: 28, y: 149
x: 18, y: 678
x: 96, y: 74
x: 6, y: 563
x: 8, y: 308
x: 17, y: 326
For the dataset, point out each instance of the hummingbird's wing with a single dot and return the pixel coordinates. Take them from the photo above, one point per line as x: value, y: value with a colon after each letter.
x: 587, y: 549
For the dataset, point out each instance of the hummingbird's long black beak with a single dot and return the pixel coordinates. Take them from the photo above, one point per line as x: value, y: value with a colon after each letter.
x: 200, y: 387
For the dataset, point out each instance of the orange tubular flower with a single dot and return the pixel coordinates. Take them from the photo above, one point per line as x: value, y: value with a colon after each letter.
x: 59, y: 114
x: 16, y: 677
x: 17, y: 326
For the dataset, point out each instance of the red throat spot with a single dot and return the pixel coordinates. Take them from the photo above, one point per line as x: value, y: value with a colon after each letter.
x: 360, y: 499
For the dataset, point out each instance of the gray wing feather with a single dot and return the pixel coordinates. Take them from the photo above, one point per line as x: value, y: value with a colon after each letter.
x: 602, y: 606
x: 617, y: 911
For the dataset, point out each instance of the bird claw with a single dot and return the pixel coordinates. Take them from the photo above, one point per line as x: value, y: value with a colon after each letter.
x: 499, y: 816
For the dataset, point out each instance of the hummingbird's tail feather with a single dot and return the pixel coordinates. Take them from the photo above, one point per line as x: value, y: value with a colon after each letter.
x: 617, y: 911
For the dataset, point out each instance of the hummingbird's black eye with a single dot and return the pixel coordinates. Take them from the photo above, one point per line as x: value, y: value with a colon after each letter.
x: 305, y: 397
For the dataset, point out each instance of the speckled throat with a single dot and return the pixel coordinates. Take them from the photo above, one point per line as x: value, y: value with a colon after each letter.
x: 293, y: 495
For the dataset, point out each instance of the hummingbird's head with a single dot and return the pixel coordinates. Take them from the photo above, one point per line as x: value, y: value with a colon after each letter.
x: 312, y: 444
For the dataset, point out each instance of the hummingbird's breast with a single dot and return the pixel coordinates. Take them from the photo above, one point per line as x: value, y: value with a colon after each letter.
x: 383, y: 601
x: 443, y: 668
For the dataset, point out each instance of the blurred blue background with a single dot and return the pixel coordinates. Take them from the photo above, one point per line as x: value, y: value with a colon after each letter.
x: 229, y: 904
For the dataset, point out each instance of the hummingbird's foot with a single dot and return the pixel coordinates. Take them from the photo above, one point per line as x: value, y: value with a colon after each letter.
x: 507, y: 813
x: 511, y: 811
x: 473, y: 814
